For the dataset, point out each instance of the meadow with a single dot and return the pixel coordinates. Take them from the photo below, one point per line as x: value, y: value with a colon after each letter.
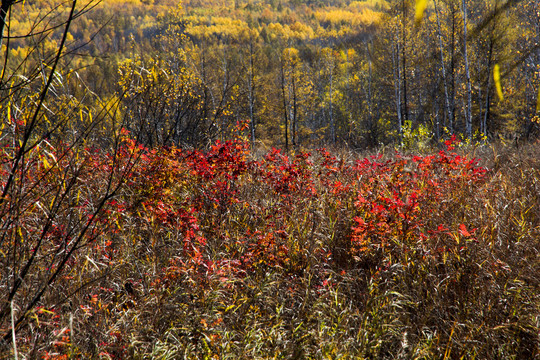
x: 172, y: 253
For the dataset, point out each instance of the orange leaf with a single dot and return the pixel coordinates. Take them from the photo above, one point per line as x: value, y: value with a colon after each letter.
x: 463, y: 231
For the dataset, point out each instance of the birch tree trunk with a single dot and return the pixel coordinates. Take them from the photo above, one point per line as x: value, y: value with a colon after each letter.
x: 251, y: 94
x: 468, y: 115
x: 370, y: 80
x: 331, y: 109
x: 485, y: 118
x: 448, y: 109
x: 453, y: 73
x: 293, y: 116
x: 397, y: 82
x: 329, y: 65
x: 405, y: 109
x: 285, y: 104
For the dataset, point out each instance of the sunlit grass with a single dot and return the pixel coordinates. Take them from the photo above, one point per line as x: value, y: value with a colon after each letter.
x: 216, y: 255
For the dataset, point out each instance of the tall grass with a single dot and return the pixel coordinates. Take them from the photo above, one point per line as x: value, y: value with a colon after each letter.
x: 308, y: 256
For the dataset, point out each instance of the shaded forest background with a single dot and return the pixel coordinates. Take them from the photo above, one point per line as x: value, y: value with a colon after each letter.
x: 300, y: 73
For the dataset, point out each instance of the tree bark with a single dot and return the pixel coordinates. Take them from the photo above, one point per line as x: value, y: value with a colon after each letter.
x: 405, y: 109
x: 448, y: 111
x: 4, y: 9
x: 251, y: 93
x: 453, y: 74
x: 468, y: 114
x: 488, y: 86
x: 331, y: 109
x: 285, y: 105
x: 397, y: 83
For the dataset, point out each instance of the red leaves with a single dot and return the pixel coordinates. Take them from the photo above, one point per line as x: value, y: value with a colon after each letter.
x: 396, y: 200
x: 207, y: 196
x: 288, y: 177
x: 464, y: 232
x: 215, y: 218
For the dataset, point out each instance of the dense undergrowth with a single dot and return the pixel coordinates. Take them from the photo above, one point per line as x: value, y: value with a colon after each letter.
x: 219, y: 255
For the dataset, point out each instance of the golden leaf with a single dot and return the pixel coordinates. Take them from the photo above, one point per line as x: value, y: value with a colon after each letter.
x: 421, y: 6
x: 497, y: 79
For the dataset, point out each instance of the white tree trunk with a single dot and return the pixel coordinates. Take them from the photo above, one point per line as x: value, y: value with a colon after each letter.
x: 468, y: 115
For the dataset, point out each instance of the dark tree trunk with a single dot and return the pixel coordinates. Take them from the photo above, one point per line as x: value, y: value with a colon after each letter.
x: 4, y: 9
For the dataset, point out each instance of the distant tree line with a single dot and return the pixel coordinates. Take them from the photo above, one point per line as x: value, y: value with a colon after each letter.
x: 302, y: 73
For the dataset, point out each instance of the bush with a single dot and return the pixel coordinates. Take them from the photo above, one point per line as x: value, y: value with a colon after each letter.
x: 213, y: 254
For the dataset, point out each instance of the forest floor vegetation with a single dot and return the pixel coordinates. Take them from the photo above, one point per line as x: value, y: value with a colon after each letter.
x: 215, y: 255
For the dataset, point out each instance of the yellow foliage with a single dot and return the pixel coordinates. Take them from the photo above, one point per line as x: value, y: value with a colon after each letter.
x: 421, y: 6
x: 341, y: 17
x: 497, y: 79
x: 369, y: 17
x: 301, y: 31
x: 277, y: 31
x: 291, y: 54
x: 205, y: 28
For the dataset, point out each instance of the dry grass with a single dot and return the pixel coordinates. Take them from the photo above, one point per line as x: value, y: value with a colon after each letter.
x: 278, y: 277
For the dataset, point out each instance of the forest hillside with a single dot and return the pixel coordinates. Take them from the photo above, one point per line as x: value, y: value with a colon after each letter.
x: 348, y: 73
